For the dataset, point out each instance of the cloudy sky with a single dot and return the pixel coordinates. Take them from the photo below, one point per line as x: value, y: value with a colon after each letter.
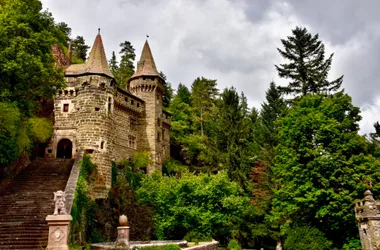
x: 235, y: 41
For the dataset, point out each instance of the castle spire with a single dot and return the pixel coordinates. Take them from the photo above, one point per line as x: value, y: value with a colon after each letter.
x: 146, y: 65
x: 97, y: 62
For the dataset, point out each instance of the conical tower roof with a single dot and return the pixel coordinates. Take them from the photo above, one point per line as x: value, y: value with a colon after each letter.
x: 146, y: 65
x: 97, y: 62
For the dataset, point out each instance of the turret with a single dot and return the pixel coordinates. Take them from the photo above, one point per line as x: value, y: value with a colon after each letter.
x: 148, y: 85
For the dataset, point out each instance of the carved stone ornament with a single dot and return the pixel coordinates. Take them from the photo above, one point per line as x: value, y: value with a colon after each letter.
x: 59, y: 201
x: 57, y: 235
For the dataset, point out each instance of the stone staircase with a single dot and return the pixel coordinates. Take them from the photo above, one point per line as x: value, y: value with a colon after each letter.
x: 27, y: 200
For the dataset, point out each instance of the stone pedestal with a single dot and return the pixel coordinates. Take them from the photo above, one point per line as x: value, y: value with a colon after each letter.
x: 58, y: 231
x: 122, y: 236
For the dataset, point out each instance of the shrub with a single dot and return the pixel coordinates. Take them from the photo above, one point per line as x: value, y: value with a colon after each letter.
x: 306, y: 238
x: 41, y: 129
x: 233, y: 245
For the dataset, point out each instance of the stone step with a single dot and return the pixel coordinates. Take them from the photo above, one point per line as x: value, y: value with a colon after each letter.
x: 27, y: 200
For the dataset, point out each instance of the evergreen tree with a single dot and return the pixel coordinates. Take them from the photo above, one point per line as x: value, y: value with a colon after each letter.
x: 113, y: 64
x: 307, y: 67
x: 80, y: 49
x: 322, y: 166
x: 271, y: 110
x: 232, y: 132
x: 203, y: 97
x: 184, y: 94
x: 168, y: 92
x: 126, y: 67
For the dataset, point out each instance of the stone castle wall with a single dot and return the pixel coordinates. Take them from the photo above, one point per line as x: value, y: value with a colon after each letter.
x: 150, y: 89
x: 109, y: 123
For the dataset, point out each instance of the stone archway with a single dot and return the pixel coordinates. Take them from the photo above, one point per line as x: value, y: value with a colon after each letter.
x: 65, y: 149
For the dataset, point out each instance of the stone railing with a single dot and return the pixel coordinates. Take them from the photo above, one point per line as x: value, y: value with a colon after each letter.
x: 72, y: 182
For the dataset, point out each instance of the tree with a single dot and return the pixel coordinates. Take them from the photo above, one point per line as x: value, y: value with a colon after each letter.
x: 126, y: 67
x: 203, y: 96
x: 113, y: 64
x: 321, y: 166
x: 66, y: 30
x: 308, y: 69
x: 232, y: 131
x: 168, y: 92
x: 27, y: 66
x: 80, y: 49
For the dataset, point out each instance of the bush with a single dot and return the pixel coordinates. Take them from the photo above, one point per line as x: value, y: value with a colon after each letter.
x: 166, y: 247
x: 306, y: 238
x: 41, y: 129
x: 233, y: 245
x: 353, y: 244
x: 197, y: 207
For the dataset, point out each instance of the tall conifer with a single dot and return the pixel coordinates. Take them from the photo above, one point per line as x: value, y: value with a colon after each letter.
x: 307, y: 67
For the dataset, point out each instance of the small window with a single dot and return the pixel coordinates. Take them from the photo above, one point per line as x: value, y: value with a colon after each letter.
x: 66, y: 92
x: 126, y: 99
x: 50, y: 150
x: 102, y: 145
x: 158, y: 136
x: 71, y: 92
x: 60, y: 92
x: 138, y: 104
x: 132, y: 102
x: 66, y: 107
x: 89, y: 151
x: 97, y: 109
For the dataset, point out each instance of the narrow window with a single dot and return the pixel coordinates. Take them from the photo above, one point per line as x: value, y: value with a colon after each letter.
x: 132, y: 102
x: 138, y: 104
x: 109, y: 105
x: 97, y: 109
x: 158, y: 136
x: 126, y: 99
x: 102, y: 145
x: 66, y: 107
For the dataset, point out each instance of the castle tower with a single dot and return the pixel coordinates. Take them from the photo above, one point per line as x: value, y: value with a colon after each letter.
x: 147, y: 84
x: 93, y: 109
x: 368, y: 217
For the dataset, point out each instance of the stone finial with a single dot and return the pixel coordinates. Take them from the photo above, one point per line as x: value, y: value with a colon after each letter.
x: 123, y: 220
x: 59, y: 201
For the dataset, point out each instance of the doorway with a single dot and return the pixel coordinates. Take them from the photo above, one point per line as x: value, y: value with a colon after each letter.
x: 65, y: 149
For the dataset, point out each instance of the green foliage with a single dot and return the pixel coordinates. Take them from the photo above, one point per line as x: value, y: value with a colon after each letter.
x: 168, y: 92
x: 322, y: 166
x: 203, y: 96
x: 173, y: 167
x: 80, y: 49
x: 197, y: 207
x: 27, y: 66
x: 307, y: 68
x: 87, y: 167
x: 306, y: 238
x: 141, y: 160
x: 353, y: 244
x: 41, y: 129
x: 10, y: 119
x: 166, y: 247
x: 233, y: 245
x: 126, y: 67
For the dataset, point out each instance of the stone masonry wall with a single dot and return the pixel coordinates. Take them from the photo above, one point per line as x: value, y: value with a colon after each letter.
x: 150, y: 90
x: 94, y: 124
x: 128, y: 110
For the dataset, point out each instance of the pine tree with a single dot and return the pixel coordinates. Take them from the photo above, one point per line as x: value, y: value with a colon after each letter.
x: 270, y: 112
x: 204, y: 93
x: 126, y: 67
x: 308, y: 69
x: 80, y: 48
x: 168, y: 92
x: 113, y: 64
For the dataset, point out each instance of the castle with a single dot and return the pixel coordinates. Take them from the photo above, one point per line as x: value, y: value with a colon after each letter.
x: 109, y: 123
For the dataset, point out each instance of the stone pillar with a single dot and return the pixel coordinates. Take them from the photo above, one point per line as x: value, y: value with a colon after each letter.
x: 58, y: 231
x: 123, y: 232
x: 123, y: 236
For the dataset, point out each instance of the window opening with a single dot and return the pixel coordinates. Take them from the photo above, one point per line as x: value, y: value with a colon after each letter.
x: 66, y: 107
